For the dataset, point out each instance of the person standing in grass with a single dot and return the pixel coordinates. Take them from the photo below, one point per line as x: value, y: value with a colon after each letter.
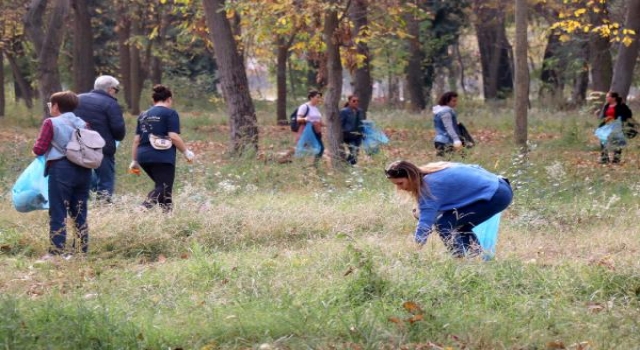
x: 159, y: 164
x: 613, y: 109
x: 454, y: 197
x: 69, y: 183
x: 100, y: 109
x: 445, y: 122
x: 351, y: 117
x: 308, y: 112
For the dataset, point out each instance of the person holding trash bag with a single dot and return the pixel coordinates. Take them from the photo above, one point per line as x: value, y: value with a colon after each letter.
x: 154, y: 148
x: 453, y: 198
x: 351, y: 117
x: 69, y: 183
x: 308, y: 112
x: 613, y: 109
x: 445, y: 121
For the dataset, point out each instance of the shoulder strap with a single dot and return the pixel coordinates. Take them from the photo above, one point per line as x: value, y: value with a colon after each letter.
x: 307, y: 111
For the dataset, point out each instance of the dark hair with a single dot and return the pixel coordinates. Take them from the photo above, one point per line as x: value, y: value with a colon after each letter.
x: 161, y: 93
x: 346, y: 104
x: 67, y: 101
x: 313, y: 93
x: 616, y: 96
x: 447, y: 97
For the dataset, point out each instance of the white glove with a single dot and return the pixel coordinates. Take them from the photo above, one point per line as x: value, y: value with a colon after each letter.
x: 134, y: 165
x: 457, y: 144
x: 189, y: 156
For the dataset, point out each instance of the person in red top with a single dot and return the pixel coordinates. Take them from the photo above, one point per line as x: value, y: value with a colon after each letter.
x: 68, y: 183
x: 613, y: 109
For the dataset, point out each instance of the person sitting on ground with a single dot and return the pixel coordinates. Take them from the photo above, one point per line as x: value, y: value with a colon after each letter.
x: 445, y: 122
x: 612, y: 109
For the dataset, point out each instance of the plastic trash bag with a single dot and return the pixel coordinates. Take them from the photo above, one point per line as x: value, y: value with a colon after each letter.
x: 487, y: 234
x: 611, y: 134
x: 308, y: 144
x: 31, y: 190
x: 372, y: 138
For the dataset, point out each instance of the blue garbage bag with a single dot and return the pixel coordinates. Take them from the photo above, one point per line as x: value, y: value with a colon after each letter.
x: 611, y: 134
x: 372, y: 138
x: 308, y: 144
x: 487, y: 234
x: 31, y: 190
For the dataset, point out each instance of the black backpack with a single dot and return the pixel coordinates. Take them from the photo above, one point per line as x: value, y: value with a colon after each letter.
x: 293, y: 119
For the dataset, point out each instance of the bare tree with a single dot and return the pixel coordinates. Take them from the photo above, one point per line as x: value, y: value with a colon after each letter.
x: 233, y: 79
x: 363, y: 85
x: 46, y: 41
x: 83, y: 67
x: 334, y: 85
x: 522, y: 75
x: 627, y: 55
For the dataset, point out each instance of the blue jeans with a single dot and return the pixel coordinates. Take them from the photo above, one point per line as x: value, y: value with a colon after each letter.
x: 455, y: 226
x: 68, y: 195
x: 103, y: 180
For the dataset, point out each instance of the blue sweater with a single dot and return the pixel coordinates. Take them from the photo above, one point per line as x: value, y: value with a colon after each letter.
x: 452, y: 188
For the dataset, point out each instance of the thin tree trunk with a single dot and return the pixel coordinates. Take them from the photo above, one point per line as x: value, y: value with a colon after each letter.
x: 522, y: 75
x: 627, y: 55
x: 283, y: 46
x: 414, y: 67
x: 47, y: 44
x: 123, y: 30
x: 600, y: 60
x: 20, y: 80
x: 233, y: 79
x: 83, y: 62
x: 2, y: 92
x: 135, y: 74
x: 363, y: 85
x: 334, y: 88
x: 494, y: 48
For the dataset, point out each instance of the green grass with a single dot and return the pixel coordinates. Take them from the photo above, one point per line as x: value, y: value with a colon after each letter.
x: 280, y: 256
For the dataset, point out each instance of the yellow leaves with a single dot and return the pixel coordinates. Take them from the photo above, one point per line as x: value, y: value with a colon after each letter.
x: 564, y: 38
x: 579, y: 12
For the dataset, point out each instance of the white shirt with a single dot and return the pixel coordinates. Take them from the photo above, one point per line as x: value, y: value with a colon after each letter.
x: 313, y: 115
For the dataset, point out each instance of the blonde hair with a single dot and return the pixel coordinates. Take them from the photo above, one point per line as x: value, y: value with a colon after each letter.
x: 414, y: 175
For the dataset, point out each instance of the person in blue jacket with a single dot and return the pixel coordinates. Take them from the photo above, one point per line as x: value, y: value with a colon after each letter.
x: 351, y: 117
x: 452, y: 198
x: 445, y: 122
x: 100, y: 109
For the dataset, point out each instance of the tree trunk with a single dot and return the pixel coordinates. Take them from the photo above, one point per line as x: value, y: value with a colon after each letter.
x: 363, y: 85
x: 83, y: 62
x: 281, y: 80
x: 334, y: 88
x: 627, y: 55
x: 24, y: 89
x: 552, y: 80
x: 599, y: 55
x: 581, y: 79
x: 2, y: 93
x: 123, y: 30
x: 414, y: 67
x: 495, y: 51
x: 47, y: 43
x: 522, y: 75
x: 233, y: 79
x: 135, y: 74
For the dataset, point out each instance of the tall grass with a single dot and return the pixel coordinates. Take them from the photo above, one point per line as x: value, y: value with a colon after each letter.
x: 264, y: 255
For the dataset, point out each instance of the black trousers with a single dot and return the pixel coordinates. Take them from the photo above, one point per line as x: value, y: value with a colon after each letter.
x: 163, y: 176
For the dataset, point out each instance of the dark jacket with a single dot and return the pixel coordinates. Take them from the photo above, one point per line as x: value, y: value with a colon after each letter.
x: 622, y: 111
x: 351, y: 120
x: 103, y: 114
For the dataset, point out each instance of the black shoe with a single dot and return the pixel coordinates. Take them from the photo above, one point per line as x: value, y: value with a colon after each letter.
x: 604, y: 160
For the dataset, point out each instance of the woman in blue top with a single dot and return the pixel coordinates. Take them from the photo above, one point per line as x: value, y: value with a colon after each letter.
x: 454, y: 197
x: 445, y: 123
x: 160, y: 164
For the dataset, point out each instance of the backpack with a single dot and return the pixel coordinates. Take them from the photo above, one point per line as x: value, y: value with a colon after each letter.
x: 465, y: 136
x: 630, y: 128
x: 293, y: 119
x: 84, y: 148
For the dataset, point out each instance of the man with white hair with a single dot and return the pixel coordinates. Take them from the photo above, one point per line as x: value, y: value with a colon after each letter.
x: 100, y: 109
